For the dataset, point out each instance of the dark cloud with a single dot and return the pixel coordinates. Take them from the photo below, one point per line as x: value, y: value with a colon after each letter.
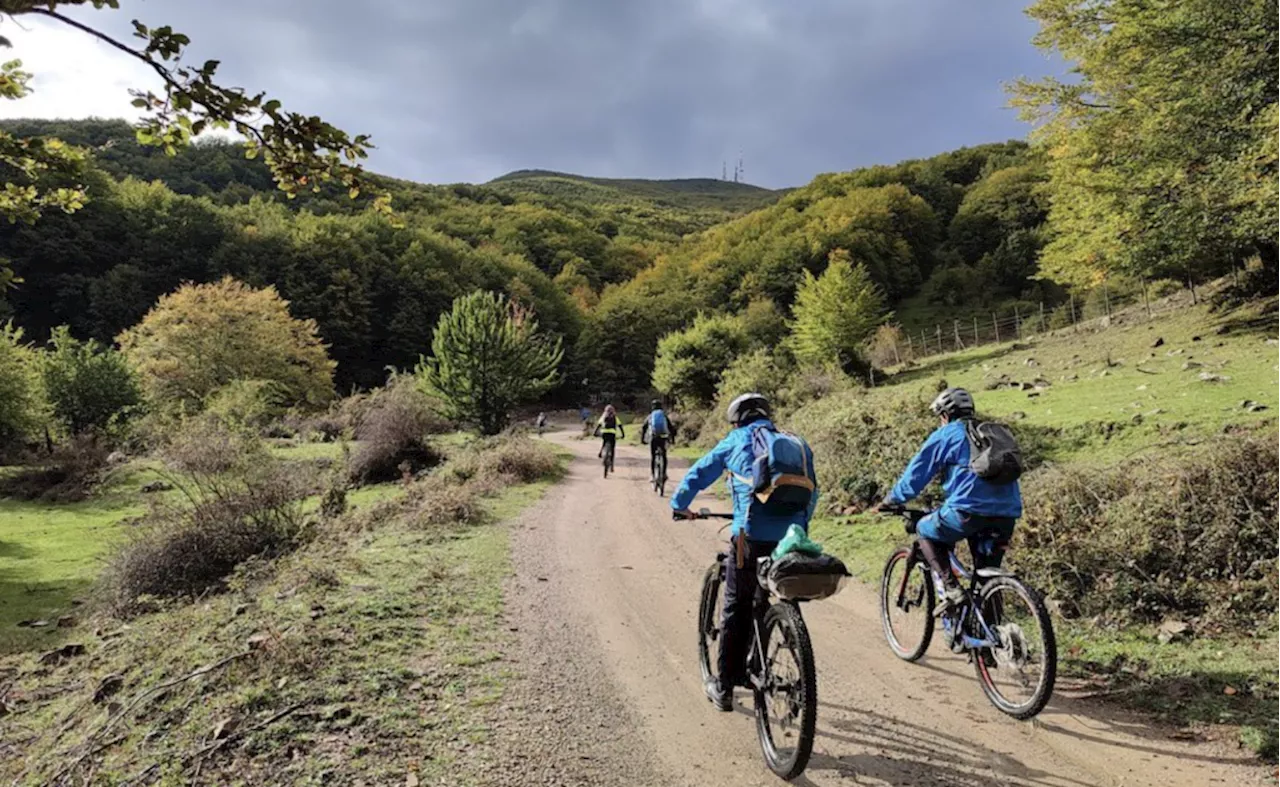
x: 469, y: 89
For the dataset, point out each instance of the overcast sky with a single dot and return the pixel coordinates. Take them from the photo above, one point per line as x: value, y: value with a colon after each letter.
x: 466, y: 90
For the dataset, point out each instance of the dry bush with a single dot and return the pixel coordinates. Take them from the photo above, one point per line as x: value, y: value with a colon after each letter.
x: 889, y: 347
x: 502, y: 460
x: 1191, y: 535
x: 234, y: 502
x: 442, y: 503
x: 66, y: 476
x: 393, y: 434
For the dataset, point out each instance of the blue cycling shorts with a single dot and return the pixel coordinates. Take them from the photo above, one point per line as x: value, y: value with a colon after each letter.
x: 950, y: 526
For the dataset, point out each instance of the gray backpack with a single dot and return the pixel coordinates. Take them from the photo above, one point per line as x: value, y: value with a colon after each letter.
x: 994, y: 454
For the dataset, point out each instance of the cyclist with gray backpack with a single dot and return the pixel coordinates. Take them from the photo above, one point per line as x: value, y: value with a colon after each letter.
x: 980, y: 465
x: 773, y: 485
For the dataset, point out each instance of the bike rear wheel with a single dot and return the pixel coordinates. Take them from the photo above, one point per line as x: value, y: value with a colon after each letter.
x: 709, y: 621
x: 787, y: 702
x: 1017, y: 676
x: 660, y: 483
x: 906, y: 605
x: 608, y: 460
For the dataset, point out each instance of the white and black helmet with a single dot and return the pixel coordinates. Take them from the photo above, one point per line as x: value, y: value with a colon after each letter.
x: 747, y: 406
x: 953, y: 403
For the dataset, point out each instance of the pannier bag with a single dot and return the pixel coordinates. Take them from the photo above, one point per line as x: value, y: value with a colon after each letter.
x: 799, y: 576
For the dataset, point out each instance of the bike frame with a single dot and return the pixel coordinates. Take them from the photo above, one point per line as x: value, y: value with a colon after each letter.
x: 989, y: 639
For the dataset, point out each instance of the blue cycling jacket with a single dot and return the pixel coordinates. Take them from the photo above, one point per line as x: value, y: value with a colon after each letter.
x: 947, y: 451
x: 734, y: 455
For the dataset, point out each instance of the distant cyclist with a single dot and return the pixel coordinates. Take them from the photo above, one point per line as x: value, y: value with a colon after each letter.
x: 973, y: 504
x: 758, y: 524
x: 542, y: 422
x: 609, y: 428
x: 656, y: 431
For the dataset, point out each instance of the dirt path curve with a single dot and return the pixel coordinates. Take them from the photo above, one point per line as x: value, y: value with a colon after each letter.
x: 606, y: 595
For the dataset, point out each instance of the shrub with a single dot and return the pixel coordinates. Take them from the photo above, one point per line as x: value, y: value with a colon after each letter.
x: 22, y: 402
x: 503, y: 460
x: 203, y: 336
x: 689, y: 363
x: 66, y: 476
x: 255, y: 404
x: 1191, y: 535
x: 393, y: 431
x: 235, y: 503
x: 89, y: 386
x: 1163, y: 288
x: 889, y: 347
x: 436, y: 503
x: 835, y: 313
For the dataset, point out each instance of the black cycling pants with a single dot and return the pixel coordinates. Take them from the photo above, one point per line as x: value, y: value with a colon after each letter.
x: 656, y: 444
x: 740, y: 589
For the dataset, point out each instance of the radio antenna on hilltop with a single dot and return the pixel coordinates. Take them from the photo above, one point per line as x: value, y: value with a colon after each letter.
x: 724, y: 170
x: 740, y: 169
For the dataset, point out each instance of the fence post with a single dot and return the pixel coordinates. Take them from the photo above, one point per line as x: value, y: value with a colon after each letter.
x: 955, y: 331
x: 924, y: 344
x: 1106, y: 296
x: 1042, y: 325
x: 911, y: 349
x: 996, y: 323
x: 1017, y: 322
x: 1146, y: 301
x: 975, y: 330
x: 938, y: 332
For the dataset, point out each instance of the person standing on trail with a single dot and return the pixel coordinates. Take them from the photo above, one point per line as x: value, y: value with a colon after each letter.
x: 609, y: 429
x: 759, y: 520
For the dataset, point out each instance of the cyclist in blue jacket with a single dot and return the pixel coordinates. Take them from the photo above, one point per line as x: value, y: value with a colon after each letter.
x: 656, y: 431
x: 755, y: 533
x: 972, y: 504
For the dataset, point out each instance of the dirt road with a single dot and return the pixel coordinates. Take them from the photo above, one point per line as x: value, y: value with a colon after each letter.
x: 606, y: 591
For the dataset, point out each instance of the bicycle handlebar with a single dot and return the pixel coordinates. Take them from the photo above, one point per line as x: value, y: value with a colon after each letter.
x: 703, y: 514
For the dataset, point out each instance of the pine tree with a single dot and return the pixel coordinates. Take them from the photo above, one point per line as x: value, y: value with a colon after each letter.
x: 835, y: 312
x: 488, y: 357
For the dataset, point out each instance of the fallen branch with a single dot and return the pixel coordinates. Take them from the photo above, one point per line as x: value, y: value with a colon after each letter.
x: 199, y: 754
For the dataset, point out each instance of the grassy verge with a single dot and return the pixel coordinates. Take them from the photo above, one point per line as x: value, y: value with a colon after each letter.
x: 369, y: 655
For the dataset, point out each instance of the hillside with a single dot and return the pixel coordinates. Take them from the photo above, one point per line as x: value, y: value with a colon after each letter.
x: 691, y: 193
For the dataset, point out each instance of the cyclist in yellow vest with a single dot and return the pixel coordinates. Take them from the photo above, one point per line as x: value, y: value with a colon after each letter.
x: 609, y: 428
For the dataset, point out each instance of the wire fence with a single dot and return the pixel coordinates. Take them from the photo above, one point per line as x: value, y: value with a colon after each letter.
x: 1025, y: 321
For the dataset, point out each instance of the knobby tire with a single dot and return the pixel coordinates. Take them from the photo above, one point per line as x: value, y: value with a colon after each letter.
x: 780, y: 618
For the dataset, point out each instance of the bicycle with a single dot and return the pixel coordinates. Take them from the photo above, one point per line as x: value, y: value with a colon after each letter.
x: 607, y: 458
x: 786, y: 701
x: 990, y: 628
x: 659, y: 469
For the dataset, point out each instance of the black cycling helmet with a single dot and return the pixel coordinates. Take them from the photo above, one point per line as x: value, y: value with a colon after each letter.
x: 747, y: 407
x: 953, y: 403
x: 655, y: 405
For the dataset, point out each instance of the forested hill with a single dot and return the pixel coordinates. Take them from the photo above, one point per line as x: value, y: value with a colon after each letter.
x: 612, y: 265
x: 692, y: 193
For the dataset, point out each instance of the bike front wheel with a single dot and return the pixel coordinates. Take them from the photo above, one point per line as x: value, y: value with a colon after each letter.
x: 786, y: 698
x: 709, y: 621
x: 906, y: 605
x: 1018, y: 674
x: 660, y: 483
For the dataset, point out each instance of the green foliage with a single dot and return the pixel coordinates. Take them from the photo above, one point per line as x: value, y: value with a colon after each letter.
x: 835, y: 313
x: 689, y: 363
x: 89, y: 386
x: 488, y: 356
x: 252, y: 404
x: 202, y: 337
x: 22, y: 401
x: 1162, y: 147
x: 692, y: 193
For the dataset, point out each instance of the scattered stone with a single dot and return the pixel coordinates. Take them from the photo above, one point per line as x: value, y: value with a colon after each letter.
x: 1136, y: 419
x: 156, y: 486
x: 107, y: 687
x: 1040, y: 382
x: 1142, y: 387
x: 224, y: 728
x: 1157, y: 411
x: 1188, y: 365
x: 1017, y: 415
x: 317, y: 611
x: 1173, y: 631
x: 1031, y: 362
x: 1223, y: 330
x: 117, y: 458
x: 1104, y: 373
x: 66, y: 621
x: 1195, y: 338
x: 1033, y: 394
x: 1158, y: 342
x: 33, y: 624
x: 239, y: 610
x: 1070, y: 378
x: 410, y: 780
x: 1273, y: 341
x: 258, y: 641
x: 1024, y: 386
x: 1178, y: 351
x: 1252, y: 406
x: 64, y: 653
x: 1210, y: 377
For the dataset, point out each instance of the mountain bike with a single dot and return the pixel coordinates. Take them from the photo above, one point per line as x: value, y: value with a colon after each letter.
x: 780, y: 671
x: 1002, y: 625
x: 607, y: 458
x: 659, y: 469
